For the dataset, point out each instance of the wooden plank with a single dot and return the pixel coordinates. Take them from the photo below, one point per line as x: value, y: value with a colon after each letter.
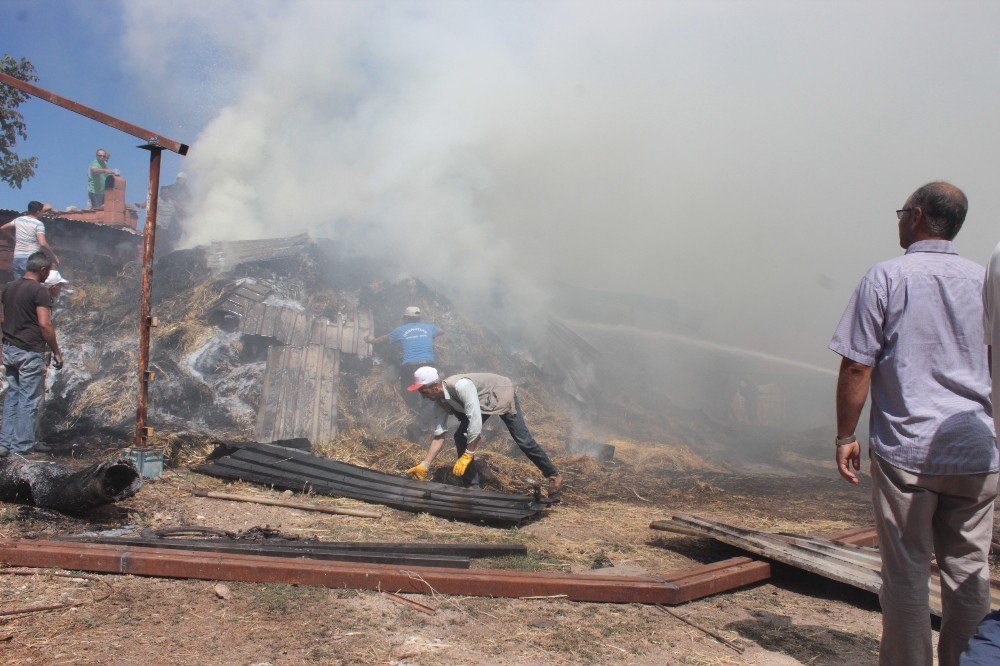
x: 301, y: 506
x: 853, y: 565
x: 267, y: 412
x: 299, y: 399
x: 797, y: 556
x: 858, y: 536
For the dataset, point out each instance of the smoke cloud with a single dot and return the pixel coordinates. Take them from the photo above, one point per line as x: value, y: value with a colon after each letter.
x: 741, y: 158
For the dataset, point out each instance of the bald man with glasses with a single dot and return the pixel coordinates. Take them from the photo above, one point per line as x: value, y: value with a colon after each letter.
x: 913, y: 335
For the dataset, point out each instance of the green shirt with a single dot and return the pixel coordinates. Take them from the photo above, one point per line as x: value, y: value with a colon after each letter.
x: 95, y: 181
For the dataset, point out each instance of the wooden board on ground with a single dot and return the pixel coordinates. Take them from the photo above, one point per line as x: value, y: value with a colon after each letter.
x: 857, y: 566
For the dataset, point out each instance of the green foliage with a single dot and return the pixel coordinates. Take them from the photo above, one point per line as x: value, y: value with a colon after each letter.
x: 14, y: 170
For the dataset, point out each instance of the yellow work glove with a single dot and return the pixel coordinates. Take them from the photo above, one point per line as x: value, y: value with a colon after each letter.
x: 462, y: 464
x: 419, y: 472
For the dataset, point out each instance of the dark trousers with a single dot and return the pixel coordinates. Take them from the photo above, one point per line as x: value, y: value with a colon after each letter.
x: 522, y: 437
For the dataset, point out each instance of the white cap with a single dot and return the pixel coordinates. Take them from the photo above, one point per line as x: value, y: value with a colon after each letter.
x: 424, y: 375
x: 55, y: 278
x: 181, y: 175
x: 412, y: 311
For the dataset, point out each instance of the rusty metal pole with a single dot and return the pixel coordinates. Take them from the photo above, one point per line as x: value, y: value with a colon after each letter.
x: 146, y: 299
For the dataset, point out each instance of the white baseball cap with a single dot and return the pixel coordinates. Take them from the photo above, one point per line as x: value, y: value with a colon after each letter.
x: 412, y: 311
x: 54, y: 278
x: 424, y: 375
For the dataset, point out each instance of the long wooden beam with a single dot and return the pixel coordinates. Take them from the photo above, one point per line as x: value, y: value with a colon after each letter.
x: 150, y: 137
x: 681, y: 587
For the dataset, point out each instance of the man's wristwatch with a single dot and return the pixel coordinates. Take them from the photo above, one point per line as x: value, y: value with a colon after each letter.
x: 844, y: 441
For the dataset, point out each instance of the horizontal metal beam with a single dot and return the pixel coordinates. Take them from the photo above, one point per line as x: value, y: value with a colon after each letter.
x: 415, y: 580
x: 151, y: 138
x: 282, y: 550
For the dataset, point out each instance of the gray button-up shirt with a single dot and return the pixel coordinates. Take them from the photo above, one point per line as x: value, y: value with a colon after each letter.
x: 918, y: 320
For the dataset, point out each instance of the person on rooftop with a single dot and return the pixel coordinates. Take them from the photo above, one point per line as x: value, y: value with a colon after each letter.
x: 29, y: 237
x: 97, y: 176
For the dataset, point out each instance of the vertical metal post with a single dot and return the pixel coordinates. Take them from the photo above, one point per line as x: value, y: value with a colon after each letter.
x: 145, y: 302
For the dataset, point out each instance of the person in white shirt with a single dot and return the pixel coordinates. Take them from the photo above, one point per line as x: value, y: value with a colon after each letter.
x: 991, y: 320
x: 29, y: 237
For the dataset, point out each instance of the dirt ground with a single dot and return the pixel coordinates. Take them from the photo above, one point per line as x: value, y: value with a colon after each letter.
x: 793, y: 618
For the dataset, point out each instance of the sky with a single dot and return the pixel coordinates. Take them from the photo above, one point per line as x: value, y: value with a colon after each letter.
x: 742, y: 158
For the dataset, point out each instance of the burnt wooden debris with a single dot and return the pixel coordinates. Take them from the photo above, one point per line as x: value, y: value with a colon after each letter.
x: 299, y: 471
x: 674, y: 588
x: 243, y: 307
x: 228, y: 310
x: 49, y: 485
x: 299, y: 396
x: 301, y: 381
x: 223, y: 256
x: 839, y: 560
x: 300, y: 506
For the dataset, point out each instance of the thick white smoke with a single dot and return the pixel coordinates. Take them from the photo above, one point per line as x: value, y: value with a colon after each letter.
x: 743, y: 158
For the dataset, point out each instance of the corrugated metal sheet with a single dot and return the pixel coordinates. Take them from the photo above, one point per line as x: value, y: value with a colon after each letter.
x: 300, y: 471
x: 299, y: 397
x: 226, y: 255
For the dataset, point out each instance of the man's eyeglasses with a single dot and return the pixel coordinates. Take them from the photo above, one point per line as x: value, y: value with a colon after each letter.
x: 899, y: 213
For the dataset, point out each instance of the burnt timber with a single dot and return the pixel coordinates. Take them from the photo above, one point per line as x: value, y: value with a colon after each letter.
x: 223, y: 256
x: 299, y: 471
x: 299, y: 397
x: 671, y: 589
x: 49, y: 485
x: 243, y: 307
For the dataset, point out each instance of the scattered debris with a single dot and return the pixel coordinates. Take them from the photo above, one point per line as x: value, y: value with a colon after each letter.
x: 302, y: 506
x: 53, y: 574
x: 702, y: 629
x: 49, y: 485
x: 857, y: 566
x: 296, y: 470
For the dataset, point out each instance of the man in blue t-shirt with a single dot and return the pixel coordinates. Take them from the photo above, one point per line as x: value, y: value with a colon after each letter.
x: 416, y: 340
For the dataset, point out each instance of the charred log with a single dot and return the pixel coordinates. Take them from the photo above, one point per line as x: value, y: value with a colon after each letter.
x: 51, y: 486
